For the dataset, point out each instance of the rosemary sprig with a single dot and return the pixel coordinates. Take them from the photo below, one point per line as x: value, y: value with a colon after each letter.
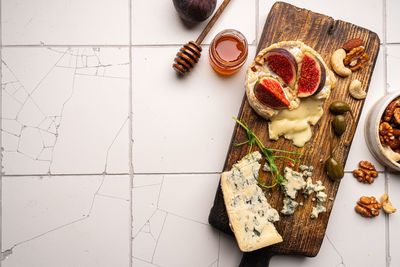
x: 269, y: 155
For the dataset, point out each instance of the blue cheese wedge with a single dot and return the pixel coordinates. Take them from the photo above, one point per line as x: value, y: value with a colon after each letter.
x: 251, y: 217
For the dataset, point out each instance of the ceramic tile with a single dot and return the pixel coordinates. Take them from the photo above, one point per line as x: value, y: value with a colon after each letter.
x: 144, y: 204
x: 229, y: 252
x: 60, y: 22
x: 168, y: 28
x: 336, y: 10
x: 61, y: 221
x: 394, y: 219
x: 182, y: 124
x: 392, y: 21
x: 160, y: 216
x: 180, y: 240
x: 349, y: 232
x: 393, y: 65
x: 178, y: 197
x: 65, y: 110
x: 359, y: 150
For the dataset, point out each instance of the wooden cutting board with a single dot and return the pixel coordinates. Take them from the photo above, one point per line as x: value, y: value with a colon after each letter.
x: 301, y: 234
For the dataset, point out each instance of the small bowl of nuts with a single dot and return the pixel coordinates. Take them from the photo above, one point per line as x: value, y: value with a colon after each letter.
x: 382, y: 130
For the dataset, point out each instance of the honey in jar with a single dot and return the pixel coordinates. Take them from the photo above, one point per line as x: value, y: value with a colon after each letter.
x: 228, y: 52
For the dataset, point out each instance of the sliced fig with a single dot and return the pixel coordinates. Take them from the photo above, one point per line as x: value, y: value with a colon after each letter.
x: 270, y: 92
x: 312, y: 76
x: 283, y: 63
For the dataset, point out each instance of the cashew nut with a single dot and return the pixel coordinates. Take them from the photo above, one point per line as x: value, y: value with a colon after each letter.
x: 387, y: 205
x: 356, y: 91
x: 337, y: 63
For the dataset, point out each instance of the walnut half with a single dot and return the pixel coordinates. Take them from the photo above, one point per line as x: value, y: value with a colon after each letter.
x: 366, y: 173
x: 387, y: 205
x: 368, y: 206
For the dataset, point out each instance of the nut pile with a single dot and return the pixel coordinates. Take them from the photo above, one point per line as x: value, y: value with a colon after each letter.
x: 368, y: 206
x: 351, y: 57
x: 389, y: 127
x: 366, y: 173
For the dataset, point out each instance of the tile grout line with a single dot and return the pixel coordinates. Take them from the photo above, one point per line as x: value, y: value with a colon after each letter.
x: 130, y: 136
x: 1, y: 139
x: 384, y: 26
x: 133, y: 173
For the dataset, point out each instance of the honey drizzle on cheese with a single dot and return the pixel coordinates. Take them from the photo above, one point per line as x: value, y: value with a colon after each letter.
x: 296, y: 124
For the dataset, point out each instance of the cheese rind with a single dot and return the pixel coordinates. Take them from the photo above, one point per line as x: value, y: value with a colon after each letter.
x: 250, y: 215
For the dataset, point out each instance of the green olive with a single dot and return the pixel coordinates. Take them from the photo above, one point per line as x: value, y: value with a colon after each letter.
x: 339, y: 107
x: 334, y: 169
x: 339, y: 125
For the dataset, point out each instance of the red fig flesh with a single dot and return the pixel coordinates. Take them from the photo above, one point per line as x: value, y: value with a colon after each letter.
x: 270, y: 92
x: 283, y: 63
x: 312, y: 76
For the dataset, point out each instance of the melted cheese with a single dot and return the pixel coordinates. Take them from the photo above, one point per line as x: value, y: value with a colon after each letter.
x: 296, y: 124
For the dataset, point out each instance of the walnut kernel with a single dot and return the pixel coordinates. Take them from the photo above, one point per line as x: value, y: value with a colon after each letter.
x: 368, y: 206
x: 366, y: 173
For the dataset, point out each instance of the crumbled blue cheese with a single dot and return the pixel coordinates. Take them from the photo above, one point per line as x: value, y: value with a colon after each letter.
x: 309, y: 188
x: 289, y: 206
x: 319, y: 186
x: 321, y: 196
x: 303, y: 168
x: 266, y: 167
x: 293, y: 182
x: 317, y: 210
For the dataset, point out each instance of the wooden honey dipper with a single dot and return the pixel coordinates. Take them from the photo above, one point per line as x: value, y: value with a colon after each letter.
x: 190, y: 53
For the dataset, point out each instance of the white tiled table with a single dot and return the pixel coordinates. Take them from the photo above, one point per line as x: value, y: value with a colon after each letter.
x: 110, y: 160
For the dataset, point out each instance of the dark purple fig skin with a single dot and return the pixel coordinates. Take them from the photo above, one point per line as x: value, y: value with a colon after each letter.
x: 291, y: 59
x: 322, y: 76
x: 194, y: 11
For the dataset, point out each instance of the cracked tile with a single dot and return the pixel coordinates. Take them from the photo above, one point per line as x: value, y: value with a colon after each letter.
x: 181, y: 193
x: 180, y: 241
x: 196, y: 123
x: 87, y: 117
x: 144, y: 203
x: 347, y: 229
x: 60, y: 22
x: 162, y: 206
x: 393, y: 65
x: 61, y: 221
x: 331, y: 8
x: 394, y: 219
x: 169, y: 29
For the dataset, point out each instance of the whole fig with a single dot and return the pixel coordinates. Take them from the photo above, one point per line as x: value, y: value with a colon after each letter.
x: 194, y: 11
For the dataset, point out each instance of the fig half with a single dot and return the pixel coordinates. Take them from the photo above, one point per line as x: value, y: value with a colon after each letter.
x: 269, y: 92
x: 283, y: 63
x: 312, y: 76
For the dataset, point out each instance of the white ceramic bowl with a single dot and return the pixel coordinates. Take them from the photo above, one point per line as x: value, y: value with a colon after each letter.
x: 372, y: 131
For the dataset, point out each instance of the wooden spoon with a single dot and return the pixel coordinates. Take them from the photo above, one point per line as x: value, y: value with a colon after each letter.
x: 190, y: 53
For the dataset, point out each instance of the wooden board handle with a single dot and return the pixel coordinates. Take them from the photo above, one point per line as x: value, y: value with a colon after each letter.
x: 258, y: 258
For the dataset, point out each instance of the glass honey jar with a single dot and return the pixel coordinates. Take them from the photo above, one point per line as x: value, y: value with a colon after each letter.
x: 228, y: 52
